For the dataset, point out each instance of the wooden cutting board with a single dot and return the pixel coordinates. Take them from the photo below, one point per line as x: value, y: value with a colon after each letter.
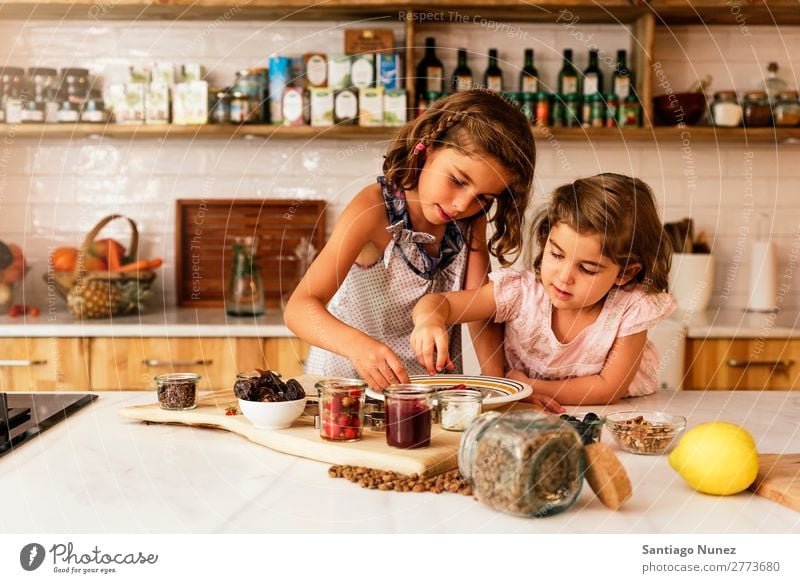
x: 779, y: 478
x: 303, y: 440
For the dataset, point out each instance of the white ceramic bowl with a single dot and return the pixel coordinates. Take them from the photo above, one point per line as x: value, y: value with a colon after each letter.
x: 278, y: 415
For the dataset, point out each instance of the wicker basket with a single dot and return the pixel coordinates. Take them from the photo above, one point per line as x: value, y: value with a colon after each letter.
x: 103, y: 294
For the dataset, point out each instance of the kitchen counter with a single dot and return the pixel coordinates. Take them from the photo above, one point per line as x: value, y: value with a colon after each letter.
x: 727, y: 323
x: 98, y: 473
x: 171, y: 321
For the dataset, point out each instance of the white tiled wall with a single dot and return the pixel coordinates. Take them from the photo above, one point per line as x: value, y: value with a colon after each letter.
x: 52, y: 192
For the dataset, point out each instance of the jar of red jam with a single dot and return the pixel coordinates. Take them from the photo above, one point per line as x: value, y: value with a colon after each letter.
x: 408, y: 415
x: 341, y: 409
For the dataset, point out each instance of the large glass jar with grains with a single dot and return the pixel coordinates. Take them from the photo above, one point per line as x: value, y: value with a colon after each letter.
x: 757, y: 110
x: 523, y: 463
x: 787, y: 109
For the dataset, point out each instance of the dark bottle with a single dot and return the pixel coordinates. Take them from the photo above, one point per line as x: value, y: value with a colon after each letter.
x: 568, y: 76
x: 592, y: 77
x: 623, y: 81
x: 430, y: 72
x: 529, y: 77
x: 462, y: 76
x: 493, y: 78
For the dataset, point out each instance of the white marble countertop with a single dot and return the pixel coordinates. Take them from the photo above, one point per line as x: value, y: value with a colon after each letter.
x: 169, y: 321
x: 98, y: 473
x: 726, y: 323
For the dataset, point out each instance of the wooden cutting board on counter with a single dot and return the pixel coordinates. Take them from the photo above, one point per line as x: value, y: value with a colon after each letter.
x: 779, y: 478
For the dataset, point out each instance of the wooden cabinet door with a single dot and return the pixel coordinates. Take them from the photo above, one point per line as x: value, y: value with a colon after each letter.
x: 44, y: 364
x: 748, y: 364
x: 286, y: 355
x: 131, y: 363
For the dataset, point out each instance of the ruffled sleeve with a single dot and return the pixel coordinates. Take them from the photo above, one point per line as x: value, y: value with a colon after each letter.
x: 508, y: 293
x: 645, y: 311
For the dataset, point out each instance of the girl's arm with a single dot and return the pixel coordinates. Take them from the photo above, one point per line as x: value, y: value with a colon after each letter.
x: 609, y: 386
x: 435, y: 312
x: 362, y: 223
x: 487, y: 335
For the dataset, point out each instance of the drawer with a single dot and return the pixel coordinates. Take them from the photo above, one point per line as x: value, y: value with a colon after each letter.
x: 44, y: 364
x: 131, y: 363
x: 748, y: 364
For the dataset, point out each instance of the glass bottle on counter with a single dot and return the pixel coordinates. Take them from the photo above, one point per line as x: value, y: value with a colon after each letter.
x: 430, y: 71
x: 493, y: 77
x: 245, y: 290
x: 523, y: 463
x: 529, y: 76
x: 462, y: 76
x: 592, y: 77
x: 622, y: 77
x: 568, y: 76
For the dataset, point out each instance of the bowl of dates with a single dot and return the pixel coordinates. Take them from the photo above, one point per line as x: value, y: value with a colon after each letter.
x: 267, y: 401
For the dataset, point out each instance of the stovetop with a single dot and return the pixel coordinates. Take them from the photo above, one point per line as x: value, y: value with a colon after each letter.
x: 23, y: 416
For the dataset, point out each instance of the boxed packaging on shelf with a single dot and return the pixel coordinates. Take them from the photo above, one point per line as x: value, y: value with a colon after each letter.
x: 370, y: 107
x: 190, y: 103
x: 359, y: 41
x: 280, y: 71
x: 395, y: 105
x: 389, y: 71
x: 315, y: 73
x: 156, y: 104
x: 362, y: 71
x: 294, y: 106
x: 345, y: 107
x: 321, y: 106
x: 338, y: 71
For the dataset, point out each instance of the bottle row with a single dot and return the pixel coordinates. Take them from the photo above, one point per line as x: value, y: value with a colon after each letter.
x: 589, y: 82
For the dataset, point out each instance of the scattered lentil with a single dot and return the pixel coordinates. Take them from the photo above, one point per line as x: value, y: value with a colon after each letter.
x: 451, y: 481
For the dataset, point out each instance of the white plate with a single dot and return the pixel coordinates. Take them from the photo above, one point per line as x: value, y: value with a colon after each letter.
x: 496, y: 391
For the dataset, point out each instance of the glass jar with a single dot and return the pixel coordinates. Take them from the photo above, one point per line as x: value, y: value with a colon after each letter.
x: 458, y: 408
x: 408, y: 415
x: 43, y: 80
x: 245, y: 295
x: 220, y: 109
x: 726, y: 111
x: 611, y: 110
x: 240, y: 107
x: 68, y: 112
x: 33, y: 112
x: 757, y: 111
x: 523, y: 463
x: 787, y: 109
x: 75, y: 84
x: 542, y: 114
x: 341, y: 409
x: 94, y: 110
x: 177, y: 391
x: 250, y: 84
x: 12, y: 82
x: 630, y: 112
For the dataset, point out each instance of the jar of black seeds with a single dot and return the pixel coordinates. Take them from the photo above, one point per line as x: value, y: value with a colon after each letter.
x: 523, y: 463
x: 177, y: 391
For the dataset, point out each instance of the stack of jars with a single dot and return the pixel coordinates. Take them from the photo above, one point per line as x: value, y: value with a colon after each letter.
x: 42, y: 95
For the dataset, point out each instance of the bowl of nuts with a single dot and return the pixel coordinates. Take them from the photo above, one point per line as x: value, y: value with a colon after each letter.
x: 645, y: 432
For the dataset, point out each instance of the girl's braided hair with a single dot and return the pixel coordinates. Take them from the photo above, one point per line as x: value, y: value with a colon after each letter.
x: 477, y: 123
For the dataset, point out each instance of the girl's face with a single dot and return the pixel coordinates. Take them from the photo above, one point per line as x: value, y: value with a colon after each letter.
x: 454, y: 186
x: 575, y: 273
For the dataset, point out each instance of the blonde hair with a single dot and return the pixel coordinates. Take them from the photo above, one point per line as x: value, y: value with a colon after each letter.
x: 622, y: 211
x: 476, y: 122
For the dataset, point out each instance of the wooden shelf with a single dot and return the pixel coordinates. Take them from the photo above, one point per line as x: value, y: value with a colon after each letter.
x: 696, y: 134
x: 749, y: 12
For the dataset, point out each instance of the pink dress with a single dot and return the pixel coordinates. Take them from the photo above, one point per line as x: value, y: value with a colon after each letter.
x: 532, y: 348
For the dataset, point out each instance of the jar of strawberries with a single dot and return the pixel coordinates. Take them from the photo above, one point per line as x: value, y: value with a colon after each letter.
x: 341, y: 408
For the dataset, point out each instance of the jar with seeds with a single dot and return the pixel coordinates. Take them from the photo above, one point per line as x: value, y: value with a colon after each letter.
x: 177, y: 391
x: 523, y: 463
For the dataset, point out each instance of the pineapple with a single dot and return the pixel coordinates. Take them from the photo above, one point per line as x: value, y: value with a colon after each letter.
x: 94, y: 298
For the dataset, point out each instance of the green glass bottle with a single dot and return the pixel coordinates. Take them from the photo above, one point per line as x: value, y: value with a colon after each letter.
x: 493, y: 78
x: 623, y: 80
x: 462, y: 76
x: 568, y: 76
x: 592, y: 76
x: 529, y: 76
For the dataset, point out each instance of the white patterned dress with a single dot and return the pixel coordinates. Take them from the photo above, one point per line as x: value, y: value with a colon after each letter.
x: 378, y: 299
x: 532, y: 348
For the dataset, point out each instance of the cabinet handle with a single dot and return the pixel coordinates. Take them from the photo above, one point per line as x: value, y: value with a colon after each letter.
x: 154, y: 362
x: 22, y: 362
x: 770, y: 363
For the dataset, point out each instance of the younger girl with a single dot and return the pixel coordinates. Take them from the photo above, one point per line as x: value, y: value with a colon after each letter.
x: 576, y: 326
x: 421, y: 229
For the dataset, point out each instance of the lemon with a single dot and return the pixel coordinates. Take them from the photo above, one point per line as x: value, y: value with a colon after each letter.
x: 716, y: 458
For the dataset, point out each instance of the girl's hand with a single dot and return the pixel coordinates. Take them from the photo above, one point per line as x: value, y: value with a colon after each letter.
x: 547, y: 403
x: 377, y: 364
x: 427, y: 339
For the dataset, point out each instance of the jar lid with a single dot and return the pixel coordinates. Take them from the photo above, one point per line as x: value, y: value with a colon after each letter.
x: 460, y: 395
x: 788, y: 95
x: 727, y: 94
x: 333, y: 384
x: 755, y: 95
x: 177, y: 377
x: 42, y: 71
